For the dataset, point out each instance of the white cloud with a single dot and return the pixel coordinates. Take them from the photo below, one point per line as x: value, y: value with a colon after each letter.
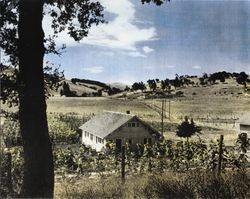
x: 170, y: 66
x: 94, y: 69
x: 109, y: 53
x: 121, y: 33
x: 135, y: 54
x: 147, y: 49
x: 196, y: 67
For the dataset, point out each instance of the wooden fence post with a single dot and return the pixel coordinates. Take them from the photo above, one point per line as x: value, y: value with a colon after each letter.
x: 220, y: 153
x: 149, y: 165
x: 123, y: 164
x: 9, y: 174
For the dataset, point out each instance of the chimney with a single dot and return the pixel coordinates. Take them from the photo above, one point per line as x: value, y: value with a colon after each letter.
x: 128, y: 111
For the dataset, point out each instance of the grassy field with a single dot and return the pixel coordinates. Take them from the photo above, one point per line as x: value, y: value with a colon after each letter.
x: 215, y: 107
x: 216, y: 113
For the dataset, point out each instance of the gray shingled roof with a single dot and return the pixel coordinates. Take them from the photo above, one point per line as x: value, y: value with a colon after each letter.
x: 105, y: 123
x: 245, y: 119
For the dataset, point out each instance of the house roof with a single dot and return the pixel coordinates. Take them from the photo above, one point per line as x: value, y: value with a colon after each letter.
x: 107, y: 122
x: 245, y: 119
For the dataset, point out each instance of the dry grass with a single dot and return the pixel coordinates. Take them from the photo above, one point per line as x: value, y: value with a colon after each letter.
x: 194, y: 184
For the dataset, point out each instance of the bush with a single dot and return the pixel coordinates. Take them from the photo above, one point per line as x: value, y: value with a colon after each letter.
x: 169, y: 187
x: 11, y: 132
x: 60, y: 132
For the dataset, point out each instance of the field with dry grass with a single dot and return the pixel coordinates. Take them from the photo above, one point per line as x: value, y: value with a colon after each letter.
x: 216, y: 108
x: 169, y: 185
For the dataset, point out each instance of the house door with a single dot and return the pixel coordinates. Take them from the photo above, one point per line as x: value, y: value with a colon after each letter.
x: 118, y: 144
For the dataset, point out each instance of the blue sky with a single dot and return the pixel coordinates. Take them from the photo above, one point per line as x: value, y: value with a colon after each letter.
x: 145, y: 41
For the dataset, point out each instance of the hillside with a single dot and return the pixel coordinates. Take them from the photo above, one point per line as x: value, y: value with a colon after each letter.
x: 219, y: 83
x: 87, y: 88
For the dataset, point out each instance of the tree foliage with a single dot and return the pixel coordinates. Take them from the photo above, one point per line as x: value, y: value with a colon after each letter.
x: 75, y: 17
x: 24, y: 47
x: 157, y: 2
x: 138, y: 86
x: 187, y: 129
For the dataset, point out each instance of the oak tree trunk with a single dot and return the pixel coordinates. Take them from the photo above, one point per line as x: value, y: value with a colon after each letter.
x: 38, y: 160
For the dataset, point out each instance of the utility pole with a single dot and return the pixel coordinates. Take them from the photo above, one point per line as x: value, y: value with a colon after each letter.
x: 123, y: 164
x: 220, y: 154
x: 165, y: 107
x: 169, y: 104
x: 162, y: 127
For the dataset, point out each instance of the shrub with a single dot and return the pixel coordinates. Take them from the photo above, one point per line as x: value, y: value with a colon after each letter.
x: 60, y: 132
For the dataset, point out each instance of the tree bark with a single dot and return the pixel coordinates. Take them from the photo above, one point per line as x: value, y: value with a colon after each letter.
x: 38, y: 160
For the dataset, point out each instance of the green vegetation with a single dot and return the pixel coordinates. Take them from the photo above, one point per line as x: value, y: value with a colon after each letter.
x: 187, y: 129
x: 169, y: 168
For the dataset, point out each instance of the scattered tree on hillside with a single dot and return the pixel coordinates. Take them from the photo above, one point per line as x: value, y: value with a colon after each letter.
x: 242, y: 78
x: 165, y: 84
x: 66, y: 90
x: 187, y: 129
x: 205, y: 75
x: 152, y: 84
x: 138, y: 86
x: 126, y: 88
x: 157, y: 2
x: 113, y: 91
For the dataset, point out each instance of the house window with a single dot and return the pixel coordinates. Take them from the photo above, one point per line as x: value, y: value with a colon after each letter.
x: 129, y: 124
x: 85, y: 133
x: 91, y: 136
x: 137, y: 124
x: 100, y: 140
x: 133, y: 124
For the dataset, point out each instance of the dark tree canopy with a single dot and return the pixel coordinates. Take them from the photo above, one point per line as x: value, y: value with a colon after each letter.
x: 138, y: 86
x: 24, y: 45
x: 157, y: 2
x: 187, y: 129
x: 152, y: 84
x: 62, y: 13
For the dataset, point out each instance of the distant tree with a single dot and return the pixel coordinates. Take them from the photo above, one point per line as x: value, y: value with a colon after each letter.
x: 177, y: 82
x: 113, y: 91
x: 152, y: 84
x: 157, y: 2
x: 138, y: 86
x: 126, y: 88
x: 222, y: 79
x: 66, y: 90
x: 205, y: 75
x: 99, y: 92
x: 187, y: 129
x: 242, y: 78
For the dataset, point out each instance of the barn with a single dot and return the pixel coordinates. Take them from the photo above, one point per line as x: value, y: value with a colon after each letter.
x: 244, y: 124
x: 118, y: 128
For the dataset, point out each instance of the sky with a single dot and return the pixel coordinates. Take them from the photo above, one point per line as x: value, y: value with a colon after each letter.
x: 142, y: 42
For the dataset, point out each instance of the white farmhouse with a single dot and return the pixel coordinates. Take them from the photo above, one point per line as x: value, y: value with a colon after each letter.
x: 118, y: 128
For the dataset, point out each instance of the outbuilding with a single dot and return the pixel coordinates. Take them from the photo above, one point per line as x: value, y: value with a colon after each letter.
x: 244, y: 124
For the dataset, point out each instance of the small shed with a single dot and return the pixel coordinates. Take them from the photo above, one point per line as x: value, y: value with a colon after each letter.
x: 117, y: 128
x: 244, y: 124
